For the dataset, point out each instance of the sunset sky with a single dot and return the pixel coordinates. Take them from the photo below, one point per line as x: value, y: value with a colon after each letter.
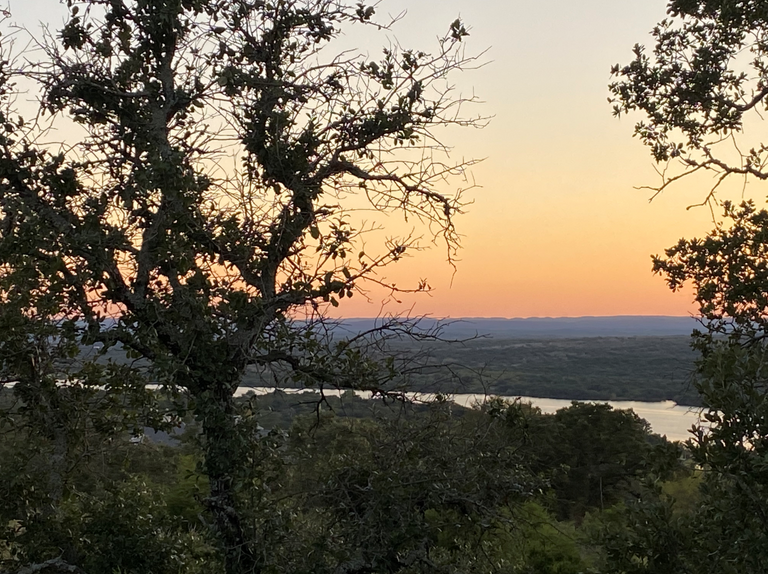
x: 557, y: 227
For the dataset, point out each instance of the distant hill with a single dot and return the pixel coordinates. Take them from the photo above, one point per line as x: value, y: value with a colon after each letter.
x: 542, y: 327
x: 552, y: 327
x: 635, y: 358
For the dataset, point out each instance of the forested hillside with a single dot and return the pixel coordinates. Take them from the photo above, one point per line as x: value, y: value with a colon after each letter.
x: 548, y: 327
x: 593, y: 368
x: 349, y: 485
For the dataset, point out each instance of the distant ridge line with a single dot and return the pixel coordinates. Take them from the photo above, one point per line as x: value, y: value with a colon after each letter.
x: 547, y: 318
x: 551, y: 327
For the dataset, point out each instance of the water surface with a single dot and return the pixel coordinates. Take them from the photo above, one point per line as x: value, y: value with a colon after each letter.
x: 666, y: 418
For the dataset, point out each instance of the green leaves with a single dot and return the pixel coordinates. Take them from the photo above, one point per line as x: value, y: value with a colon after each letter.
x: 364, y: 13
x: 421, y: 488
x: 458, y: 31
x: 691, y: 86
x: 729, y: 274
x: 217, y: 190
x: 702, y: 85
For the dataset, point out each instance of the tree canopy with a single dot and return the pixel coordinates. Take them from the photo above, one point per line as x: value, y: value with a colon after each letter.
x: 703, y: 92
x: 702, y: 83
x: 203, y: 211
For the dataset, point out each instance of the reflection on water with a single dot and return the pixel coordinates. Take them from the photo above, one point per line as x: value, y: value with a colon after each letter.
x: 666, y: 418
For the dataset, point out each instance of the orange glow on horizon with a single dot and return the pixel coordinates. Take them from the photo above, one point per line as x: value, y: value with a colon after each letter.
x: 557, y: 226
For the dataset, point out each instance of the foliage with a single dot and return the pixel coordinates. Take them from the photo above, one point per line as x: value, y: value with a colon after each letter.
x: 703, y: 83
x: 644, y: 538
x: 546, y: 546
x: 727, y: 270
x: 702, y: 90
x: 414, y: 490
x: 113, y: 515
x: 420, y: 492
x: 209, y: 204
x: 366, y: 487
x: 130, y: 530
x: 595, y: 457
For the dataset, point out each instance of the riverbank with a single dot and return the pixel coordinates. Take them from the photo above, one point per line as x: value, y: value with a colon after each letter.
x: 665, y: 417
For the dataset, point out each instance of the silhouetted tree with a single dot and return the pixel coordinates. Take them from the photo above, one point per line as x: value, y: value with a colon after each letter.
x: 703, y: 86
x: 203, y: 202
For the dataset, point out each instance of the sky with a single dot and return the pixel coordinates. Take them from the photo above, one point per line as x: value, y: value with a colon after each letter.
x: 557, y: 226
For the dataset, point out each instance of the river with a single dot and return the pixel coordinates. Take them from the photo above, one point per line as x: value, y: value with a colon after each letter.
x: 666, y: 418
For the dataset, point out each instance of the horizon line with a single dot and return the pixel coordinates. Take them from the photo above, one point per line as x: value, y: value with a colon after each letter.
x: 499, y: 318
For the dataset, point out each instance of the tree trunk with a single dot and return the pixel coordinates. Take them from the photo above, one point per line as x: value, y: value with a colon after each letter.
x: 58, y: 462
x: 223, y: 461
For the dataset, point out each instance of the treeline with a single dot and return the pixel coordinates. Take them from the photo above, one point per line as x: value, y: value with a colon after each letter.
x: 586, y: 369
x: 347, y: 485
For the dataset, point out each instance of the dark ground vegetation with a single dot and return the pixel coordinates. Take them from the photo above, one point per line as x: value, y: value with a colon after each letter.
x: 345, y: 482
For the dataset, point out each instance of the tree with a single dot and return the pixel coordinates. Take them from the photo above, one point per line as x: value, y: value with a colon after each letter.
x: 705, y: 82
x: 208, y: 206
x: 705, y: 85
x: 728, y: 272
x: 646, y: 537
x: 597, y: 456
x: 427, y: 490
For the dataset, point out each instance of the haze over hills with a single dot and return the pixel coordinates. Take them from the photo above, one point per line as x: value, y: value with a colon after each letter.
x: 635, y: 358
x: 638, y: 358
x: 551, y: 327
x: 538, y: 327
